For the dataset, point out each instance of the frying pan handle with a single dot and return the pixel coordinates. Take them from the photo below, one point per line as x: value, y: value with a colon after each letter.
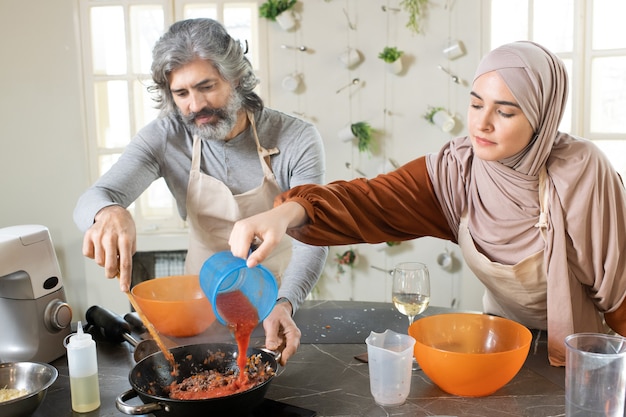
x: 136, y: 410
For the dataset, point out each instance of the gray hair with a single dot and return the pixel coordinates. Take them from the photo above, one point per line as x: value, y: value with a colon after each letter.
x: 207, y: 39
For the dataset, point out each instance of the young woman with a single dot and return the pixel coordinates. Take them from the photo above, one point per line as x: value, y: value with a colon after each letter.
x: 539, y: 215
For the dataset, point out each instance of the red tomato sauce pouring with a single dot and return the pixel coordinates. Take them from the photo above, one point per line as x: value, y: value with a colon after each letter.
x: 242, y: 317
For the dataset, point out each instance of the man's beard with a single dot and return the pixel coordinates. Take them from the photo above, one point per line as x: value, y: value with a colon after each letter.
x: 227, y: 118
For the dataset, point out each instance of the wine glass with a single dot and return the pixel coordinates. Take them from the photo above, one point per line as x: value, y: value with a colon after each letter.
x: 411, y: 289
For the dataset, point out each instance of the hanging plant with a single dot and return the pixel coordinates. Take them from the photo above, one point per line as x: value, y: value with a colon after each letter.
x: 439, y: 116
x: 346, y: 259
x: 363, y: 132
x: 415, y: 9
x: 430, y: 113
x: 390, y: 54
x: 272, y: 8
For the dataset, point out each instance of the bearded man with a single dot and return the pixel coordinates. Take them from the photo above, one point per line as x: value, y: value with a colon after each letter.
x: 224, y: 157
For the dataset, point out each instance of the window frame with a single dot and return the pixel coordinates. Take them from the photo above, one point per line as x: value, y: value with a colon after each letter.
x: 581, y: 56
x: 173, y: 10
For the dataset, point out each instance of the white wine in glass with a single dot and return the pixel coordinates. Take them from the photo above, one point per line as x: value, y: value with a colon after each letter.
x: 411, y: 289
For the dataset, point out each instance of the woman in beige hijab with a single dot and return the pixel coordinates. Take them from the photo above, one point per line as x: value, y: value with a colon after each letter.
x: 539, y: 215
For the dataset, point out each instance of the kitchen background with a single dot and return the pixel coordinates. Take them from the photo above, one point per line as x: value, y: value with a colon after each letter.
x: 44, y: 158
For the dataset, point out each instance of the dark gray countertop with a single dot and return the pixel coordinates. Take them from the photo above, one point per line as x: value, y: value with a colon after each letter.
x: 325, y: 377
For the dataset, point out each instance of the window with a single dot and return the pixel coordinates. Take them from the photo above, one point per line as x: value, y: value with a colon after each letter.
x: 590, y: 37
x: 118, y: 36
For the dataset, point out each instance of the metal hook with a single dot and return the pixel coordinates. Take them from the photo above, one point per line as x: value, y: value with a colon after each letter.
x: 298, y: 48
x: 454, y: 77
x: 354, y: 82
x: 389, y: 271
x: 393, y: 9
x: 358, y: 171
x: 350, y: 25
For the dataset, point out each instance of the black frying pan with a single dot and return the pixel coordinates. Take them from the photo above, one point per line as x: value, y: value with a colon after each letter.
x: 152, y: 375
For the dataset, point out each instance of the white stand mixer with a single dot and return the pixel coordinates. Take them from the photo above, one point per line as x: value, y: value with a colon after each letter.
x: 34, y: 315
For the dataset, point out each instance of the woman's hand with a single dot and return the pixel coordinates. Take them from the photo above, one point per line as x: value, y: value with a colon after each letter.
x: 269, y: 227
x: 111, y: 242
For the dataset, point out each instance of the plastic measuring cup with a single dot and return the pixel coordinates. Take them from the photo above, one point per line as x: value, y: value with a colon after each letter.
x: 223, y: 273
x: 390, y: 359
x: 595, y: 375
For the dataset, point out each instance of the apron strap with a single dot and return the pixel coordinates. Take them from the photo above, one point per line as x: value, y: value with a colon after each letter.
x: 264, y: 154
x: 195, y: 156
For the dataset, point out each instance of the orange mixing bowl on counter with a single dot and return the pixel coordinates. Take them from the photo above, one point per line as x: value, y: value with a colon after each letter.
x: 469, y: 354
x: 175, y: 305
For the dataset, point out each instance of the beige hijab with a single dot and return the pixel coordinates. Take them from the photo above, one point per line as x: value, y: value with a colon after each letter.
x: 586, y: 214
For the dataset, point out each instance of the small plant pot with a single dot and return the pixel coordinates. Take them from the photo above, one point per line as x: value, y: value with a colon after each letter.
x: 346, y: 261
x: 444, y: 121
x: 286, y: 20
x: 345, y: 134
x: 394, y: 67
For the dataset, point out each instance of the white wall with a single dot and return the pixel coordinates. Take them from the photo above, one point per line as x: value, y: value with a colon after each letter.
x: 392, y: 104
x: 44, y: 167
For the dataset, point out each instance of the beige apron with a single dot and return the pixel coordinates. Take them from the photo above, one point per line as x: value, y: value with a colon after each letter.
x: 517, y: 292
x: 212, y: 209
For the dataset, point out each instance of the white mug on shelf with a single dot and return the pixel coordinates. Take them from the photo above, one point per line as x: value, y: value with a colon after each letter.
x: 350, y: 57
x: 445, y: 260
x: 454, y: 49
x: 291, y: 82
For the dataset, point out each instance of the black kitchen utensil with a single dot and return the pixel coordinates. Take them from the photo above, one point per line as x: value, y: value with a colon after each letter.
x: 135, y: 322
x: 117, y: 330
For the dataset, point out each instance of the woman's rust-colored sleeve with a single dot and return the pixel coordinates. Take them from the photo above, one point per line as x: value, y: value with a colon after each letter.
x: 400, y: 205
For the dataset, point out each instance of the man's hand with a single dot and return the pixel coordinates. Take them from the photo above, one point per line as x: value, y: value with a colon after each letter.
x: 111, y: 243
x: 281, y: 332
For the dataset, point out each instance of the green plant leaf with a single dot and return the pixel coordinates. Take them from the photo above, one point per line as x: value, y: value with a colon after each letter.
x: 430, y: 113
x: 272, y: 8
x: 390, y: 54
x: 415, y: 9
x: 363, y: 132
